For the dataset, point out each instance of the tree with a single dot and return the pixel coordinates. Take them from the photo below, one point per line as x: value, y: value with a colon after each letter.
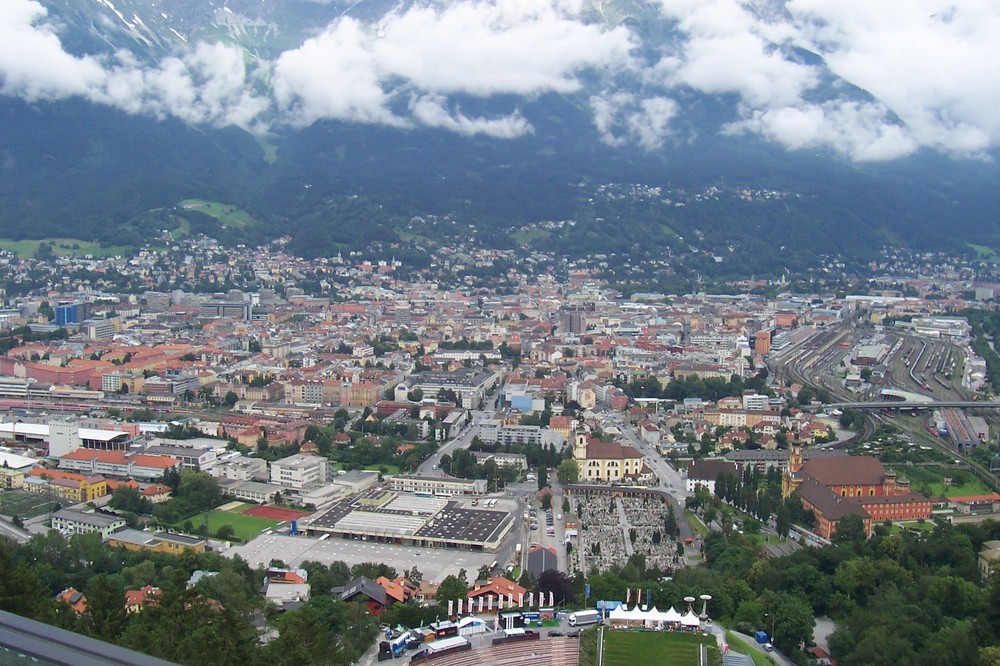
x: 782, y: 521
x: 231, y: 399
x: 558, y: 583
x: 568, y: 471
x: 451, y: 589
x: 126, y: 498
x: 543, y: 477
x: 792, y: 618
x: 565, y: 506
x: 415, y: 395
x: 850, y: 529
x: 225, y: 532
x: 484, y: 572
x: 547, y: 501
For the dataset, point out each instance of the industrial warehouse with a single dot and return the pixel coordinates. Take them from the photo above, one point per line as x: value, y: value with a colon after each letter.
x: 385, y: 516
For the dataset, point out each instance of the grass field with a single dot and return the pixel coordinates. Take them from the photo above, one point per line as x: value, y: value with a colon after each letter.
x: 642, y: 648
x: 24, y: 504
x: 930, y: 479
x: 530, y: 236
x: 697, y: 526
x: 228, y: 215
x: 246, y: 527
x: 62, y: 246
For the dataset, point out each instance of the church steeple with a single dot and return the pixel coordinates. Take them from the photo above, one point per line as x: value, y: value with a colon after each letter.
x: 580, y: 446
x: 791, y: 479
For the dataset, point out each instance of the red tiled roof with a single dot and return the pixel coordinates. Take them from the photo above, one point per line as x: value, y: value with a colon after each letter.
x: 162, y: 462
x: 498, y: 586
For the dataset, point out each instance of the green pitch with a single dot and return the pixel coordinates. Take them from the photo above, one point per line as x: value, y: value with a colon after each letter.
x: 639, y: 648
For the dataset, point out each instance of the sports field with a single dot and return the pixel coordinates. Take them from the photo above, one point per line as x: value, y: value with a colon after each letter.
x: 642, y: 648
x: 245, y: 527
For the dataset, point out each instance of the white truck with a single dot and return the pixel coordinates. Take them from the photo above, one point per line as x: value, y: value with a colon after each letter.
x: 581, y: 618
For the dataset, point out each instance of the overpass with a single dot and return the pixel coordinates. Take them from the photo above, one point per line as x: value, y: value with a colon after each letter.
x: 910, y: 404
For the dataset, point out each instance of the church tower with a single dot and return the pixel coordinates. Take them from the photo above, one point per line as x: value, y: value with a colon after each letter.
x: 792, y: 478
x: 580, y: 447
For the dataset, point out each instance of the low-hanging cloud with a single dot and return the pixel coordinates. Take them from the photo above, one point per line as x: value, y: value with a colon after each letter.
x: 867, y: 80
x: 432, y: 111
x: 623, y: 119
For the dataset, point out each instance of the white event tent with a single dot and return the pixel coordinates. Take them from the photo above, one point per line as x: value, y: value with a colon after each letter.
x: 652, y: 618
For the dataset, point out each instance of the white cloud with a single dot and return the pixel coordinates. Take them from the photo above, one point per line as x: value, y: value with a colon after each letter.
x: 351, y: 70
x: 934, y: 63
x: 333, y: 76
x: 858, y: 131
x: 482, y: 49
x: 623, y: 119
x: 431, y: 110
x: 928, y: 68
x: 33, y: 63
x: 729, y: 49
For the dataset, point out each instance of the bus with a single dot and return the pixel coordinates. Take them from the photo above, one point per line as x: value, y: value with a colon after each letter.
x: 493, y: 565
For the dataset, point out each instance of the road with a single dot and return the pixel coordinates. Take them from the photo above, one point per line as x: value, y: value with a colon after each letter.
x: 754, y: 645
x: 13, y: 531
x: 430, y: 467
x: 670, y: 479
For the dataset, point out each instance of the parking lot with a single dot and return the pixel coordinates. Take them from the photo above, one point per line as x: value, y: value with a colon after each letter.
x: 433, y: 563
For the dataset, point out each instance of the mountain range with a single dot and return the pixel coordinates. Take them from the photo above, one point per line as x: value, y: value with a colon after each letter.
x: 745, y: 132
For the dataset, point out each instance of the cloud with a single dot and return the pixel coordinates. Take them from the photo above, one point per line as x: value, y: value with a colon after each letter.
x: 729, y: 49
x: 333, y: 76
x: 621, y: 119
x: 353, y: 71
x: 932, y: 63
x: 432, y: 111
x: 868, y: 80
x: 858, y: 131
x: 484, y: 49
x: 207, y: 84
x: 33, y: 63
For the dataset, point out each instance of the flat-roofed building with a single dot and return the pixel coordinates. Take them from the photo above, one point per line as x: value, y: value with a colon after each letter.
x: 71, y: 521
x: 251, y: 491
x: 241, y: 469
x: 470, y: 385
x: 191, y: 458
x: 299, y: 471
x: 411, y: 520
x: 407, y: 483
x: 156, y: 542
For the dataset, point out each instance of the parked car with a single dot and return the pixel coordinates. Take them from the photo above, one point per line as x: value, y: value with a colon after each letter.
x: 555, y: 634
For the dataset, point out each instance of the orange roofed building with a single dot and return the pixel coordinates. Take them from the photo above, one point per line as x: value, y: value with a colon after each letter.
x: 146, y: 597
x: 399, y: 590
x: 497, y: 587
x: 74, y: 599
x: 837, y: 486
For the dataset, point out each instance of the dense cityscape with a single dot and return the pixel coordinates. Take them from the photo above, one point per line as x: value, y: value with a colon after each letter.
x: 342, y: 460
